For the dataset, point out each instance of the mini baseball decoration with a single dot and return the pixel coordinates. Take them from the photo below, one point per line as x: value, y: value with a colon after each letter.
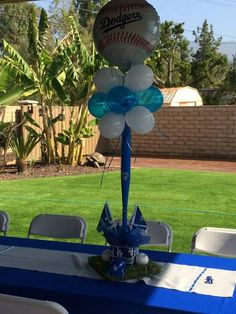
x: 106, y: 255
x: 126, y: 32
x: 141, y: 259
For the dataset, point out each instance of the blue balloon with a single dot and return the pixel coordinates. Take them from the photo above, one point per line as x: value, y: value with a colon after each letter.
x: 97, y: 105
x: 121, y: 99
x: 151, y: 98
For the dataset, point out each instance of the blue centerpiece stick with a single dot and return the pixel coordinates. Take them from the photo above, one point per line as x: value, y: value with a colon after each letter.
x: 125, y: 174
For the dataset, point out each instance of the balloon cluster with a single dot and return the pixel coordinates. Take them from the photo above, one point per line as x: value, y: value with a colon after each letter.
x: 125, y: 99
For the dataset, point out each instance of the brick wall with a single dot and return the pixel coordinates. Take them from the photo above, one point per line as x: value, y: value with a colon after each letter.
x: 196, y: 132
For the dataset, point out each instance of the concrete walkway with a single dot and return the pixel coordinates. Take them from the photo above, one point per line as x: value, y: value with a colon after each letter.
x: 184, y: 164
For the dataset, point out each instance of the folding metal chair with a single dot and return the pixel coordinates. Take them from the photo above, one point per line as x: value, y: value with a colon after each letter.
x: 10, y: 304
x: 217, y: 241
x: 4, y: 222
x: 58, y: 226
x: 160, y: 234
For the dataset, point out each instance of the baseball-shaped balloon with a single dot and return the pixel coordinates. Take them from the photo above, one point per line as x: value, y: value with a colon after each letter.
x: 126, y: 32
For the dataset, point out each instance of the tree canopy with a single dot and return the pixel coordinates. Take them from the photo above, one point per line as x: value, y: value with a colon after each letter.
x: 230, y: 80
x: 83, y: 11
x: 209, y: 66
x: 87, y: 9
x: 14, y: 23
x: 171, y: 62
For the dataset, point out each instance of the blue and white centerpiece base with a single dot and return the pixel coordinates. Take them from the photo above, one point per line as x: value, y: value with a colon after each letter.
x: 124, y: 242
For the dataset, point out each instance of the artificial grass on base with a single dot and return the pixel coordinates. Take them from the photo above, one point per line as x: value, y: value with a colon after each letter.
x: 134, y: 271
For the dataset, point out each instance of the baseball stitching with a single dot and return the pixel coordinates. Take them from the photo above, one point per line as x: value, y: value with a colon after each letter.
x: 124, y: 7
x: 126, y: 38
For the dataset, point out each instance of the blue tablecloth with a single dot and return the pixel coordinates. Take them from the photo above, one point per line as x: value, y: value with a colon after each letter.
x: 81, y: 295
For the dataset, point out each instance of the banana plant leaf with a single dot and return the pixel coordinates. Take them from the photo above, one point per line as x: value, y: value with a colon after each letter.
x: 15, y: 93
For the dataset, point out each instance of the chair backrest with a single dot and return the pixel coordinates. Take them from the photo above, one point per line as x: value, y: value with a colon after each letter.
x: 58, y: 226
x: 4, y: 222
x: 10, y: 304
x: 218, y: 241
x: 160, y: 234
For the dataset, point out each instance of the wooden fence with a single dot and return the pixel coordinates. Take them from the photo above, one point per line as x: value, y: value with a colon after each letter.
x: 9, y: 113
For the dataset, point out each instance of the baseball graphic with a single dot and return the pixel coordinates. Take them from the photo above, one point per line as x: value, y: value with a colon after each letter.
x: 126, y: 32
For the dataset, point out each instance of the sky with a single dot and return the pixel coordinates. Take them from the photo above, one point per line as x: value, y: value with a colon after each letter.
x: 220, y: 13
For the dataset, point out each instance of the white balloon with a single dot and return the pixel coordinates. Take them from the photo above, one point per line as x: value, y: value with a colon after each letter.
x: 107, y: 78
x: 140, y: 120
x: 141, y: 259
x: 111, y: 125
x: 139, y: 77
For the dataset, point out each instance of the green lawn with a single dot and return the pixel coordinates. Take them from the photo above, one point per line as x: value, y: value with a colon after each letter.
x: 186, y: 200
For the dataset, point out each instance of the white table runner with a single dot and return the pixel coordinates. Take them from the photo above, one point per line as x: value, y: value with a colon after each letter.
x: 209, y: 281
x: 51, y: 261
